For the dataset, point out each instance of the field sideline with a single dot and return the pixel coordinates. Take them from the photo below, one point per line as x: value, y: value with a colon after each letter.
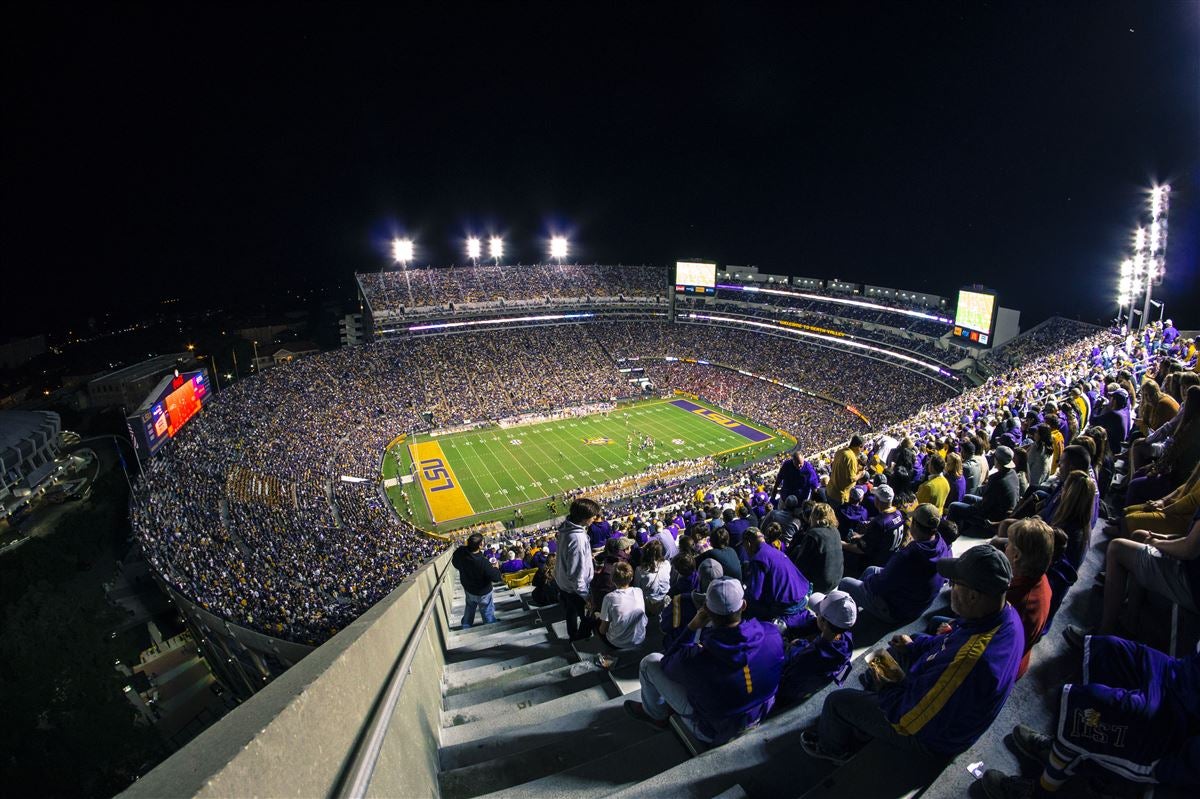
x: 488, y: 473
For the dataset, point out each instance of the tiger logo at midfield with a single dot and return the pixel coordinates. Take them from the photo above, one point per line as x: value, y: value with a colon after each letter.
x: 599, y: 442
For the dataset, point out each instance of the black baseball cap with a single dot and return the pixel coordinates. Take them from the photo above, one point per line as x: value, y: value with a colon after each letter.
x: 983, y: 567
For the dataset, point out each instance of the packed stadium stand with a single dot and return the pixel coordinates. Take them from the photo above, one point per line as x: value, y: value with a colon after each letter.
x: 346, y: 622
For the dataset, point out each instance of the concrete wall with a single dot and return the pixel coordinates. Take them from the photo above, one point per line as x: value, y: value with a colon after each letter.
x: 297, y: 736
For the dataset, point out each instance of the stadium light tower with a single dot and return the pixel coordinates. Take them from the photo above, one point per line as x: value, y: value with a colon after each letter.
x: 1156, y: 246
x: 473, y: 249
x: 496, y: 249
x: 402, y: 251
x: 558, y: 248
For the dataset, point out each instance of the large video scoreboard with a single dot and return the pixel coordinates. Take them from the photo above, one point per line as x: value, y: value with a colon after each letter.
x: 168, y: 408
x: 975, y: 318
x: 695, y: 277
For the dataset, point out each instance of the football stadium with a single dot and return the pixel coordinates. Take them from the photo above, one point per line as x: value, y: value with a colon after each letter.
x: 441, y: 558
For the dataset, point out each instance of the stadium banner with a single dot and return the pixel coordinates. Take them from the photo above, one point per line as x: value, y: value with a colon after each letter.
x: 858, y: 413
x: 679, y: 393
x: 812, y: 328
x: 743, y: 430
x: 442, y: 489
x: 397, y: 441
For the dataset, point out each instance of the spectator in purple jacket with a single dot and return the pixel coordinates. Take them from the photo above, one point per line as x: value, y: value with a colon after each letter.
x: 721, y: 678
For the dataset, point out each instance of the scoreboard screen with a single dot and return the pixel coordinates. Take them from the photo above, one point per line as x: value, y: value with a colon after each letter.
x: 165, y: 415
x: 976, y: 316
x: 695, y: 277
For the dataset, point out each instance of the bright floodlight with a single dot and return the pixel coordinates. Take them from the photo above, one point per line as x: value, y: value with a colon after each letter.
x: 558, y: 247
x: 496, y: 247
x: 402, y: 250
x: 473, y: 248
x: 1126, y: 268
x: 1139, y: 239
x: 1158, y: 196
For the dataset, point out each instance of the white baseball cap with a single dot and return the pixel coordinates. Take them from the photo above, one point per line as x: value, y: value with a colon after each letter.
x: 836, y: 607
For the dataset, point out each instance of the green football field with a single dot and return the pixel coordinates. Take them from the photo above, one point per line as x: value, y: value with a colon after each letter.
x: 491, y: 474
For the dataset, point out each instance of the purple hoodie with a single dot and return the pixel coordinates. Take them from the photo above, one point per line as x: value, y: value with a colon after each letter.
x: 731, y: 676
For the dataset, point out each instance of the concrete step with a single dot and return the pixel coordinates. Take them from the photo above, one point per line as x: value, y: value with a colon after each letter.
x: 527, y: 765
x: 514, y: 638
x: 512, y: 704
x: 467, y: 659
x: 610, y: 772
x: 577, y: 725
x: 878, y: 770
x: 508, y: 684
x: 507, y: 673
x: 532, y: 714
x: 501, y: 624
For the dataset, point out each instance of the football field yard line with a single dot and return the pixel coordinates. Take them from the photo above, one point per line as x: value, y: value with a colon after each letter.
x: 477, y: 484
x: 519, y: 462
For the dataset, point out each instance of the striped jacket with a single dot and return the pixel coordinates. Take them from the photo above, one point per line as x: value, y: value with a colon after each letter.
x: 956, y: 683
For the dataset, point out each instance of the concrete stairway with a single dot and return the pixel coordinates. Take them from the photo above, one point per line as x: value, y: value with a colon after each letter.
x: 525, y: 714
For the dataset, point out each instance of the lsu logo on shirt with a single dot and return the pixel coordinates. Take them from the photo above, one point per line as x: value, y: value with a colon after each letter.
x: 598, y: 442
x: 443, y: 491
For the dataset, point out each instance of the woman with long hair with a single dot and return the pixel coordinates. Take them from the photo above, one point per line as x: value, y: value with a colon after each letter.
x: 1073, y: 514
x: 653, y: 576
x: 1177, y: 461
x: 954, y: 475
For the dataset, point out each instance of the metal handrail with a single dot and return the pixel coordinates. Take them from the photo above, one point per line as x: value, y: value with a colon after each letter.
x: 366, y: 755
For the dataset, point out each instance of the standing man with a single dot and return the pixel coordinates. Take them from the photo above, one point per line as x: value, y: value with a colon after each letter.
x: 574, y: 569
x: 477, y: 575
x: 845, y: 472
x: 797, y: 478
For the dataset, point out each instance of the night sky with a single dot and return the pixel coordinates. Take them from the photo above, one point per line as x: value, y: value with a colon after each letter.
x: 153, y: 151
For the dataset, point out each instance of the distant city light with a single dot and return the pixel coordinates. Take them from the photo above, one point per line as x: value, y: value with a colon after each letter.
x: 402, y: 250
x: 473, y: 248
x: 558, y: 247
x: 496, y: 248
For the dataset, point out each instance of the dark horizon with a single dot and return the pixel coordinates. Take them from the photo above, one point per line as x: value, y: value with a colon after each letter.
x: 162, y: 153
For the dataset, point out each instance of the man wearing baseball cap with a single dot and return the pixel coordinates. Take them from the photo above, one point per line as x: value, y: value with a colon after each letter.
x: 954, y: 684
x: 822, y: 653
x: 901, y: 591
x: 1000, y: 495
x: 722, y: 678
x: 881, y: 536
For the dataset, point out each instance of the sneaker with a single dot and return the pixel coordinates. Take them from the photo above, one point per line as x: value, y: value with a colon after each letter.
x: 811, y: 745
x: 998, y: 785
x: 1075, y: 635
x: 1032, y: 744
x: 637, y: 711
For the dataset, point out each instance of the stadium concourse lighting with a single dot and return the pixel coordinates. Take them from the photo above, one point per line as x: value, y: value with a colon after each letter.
x: 473, y: 249
x: 496, y: 249
x: 558, y: 248
x: 402, y: 250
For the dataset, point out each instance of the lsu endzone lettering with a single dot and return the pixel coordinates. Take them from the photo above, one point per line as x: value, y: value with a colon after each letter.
x: 443, y: 491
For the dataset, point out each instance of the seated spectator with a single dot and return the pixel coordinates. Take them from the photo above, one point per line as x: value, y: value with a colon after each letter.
x: 882, y: 535
x: 737, y: 527
x: 936, y: 487
x: 679, y: 612
x: 599, y: 532
x: 975, y: 514
x: 904, y: 588
x: 955, y: 479
x: 821, y: 654
x: 1169, y: 516
x: 722, y: 678
x: 953, y: 685
x: 1147, y: 561
x: 545, y: 590
x: 653, y: 576
x: 1180, y: 454
x: 788, y: 519
x: 1030, y: 549
x: 1135, y: 717
x: 817, y: 552
x: 511, y: 563
x: 776, y: 591
x: 852, y: 516
x: 724, y: 553
x: 622, y: 619
x: 616, y: 551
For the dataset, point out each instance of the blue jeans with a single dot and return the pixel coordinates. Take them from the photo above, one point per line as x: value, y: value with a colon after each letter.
x: 862, y: 596
x: 483, y: 603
